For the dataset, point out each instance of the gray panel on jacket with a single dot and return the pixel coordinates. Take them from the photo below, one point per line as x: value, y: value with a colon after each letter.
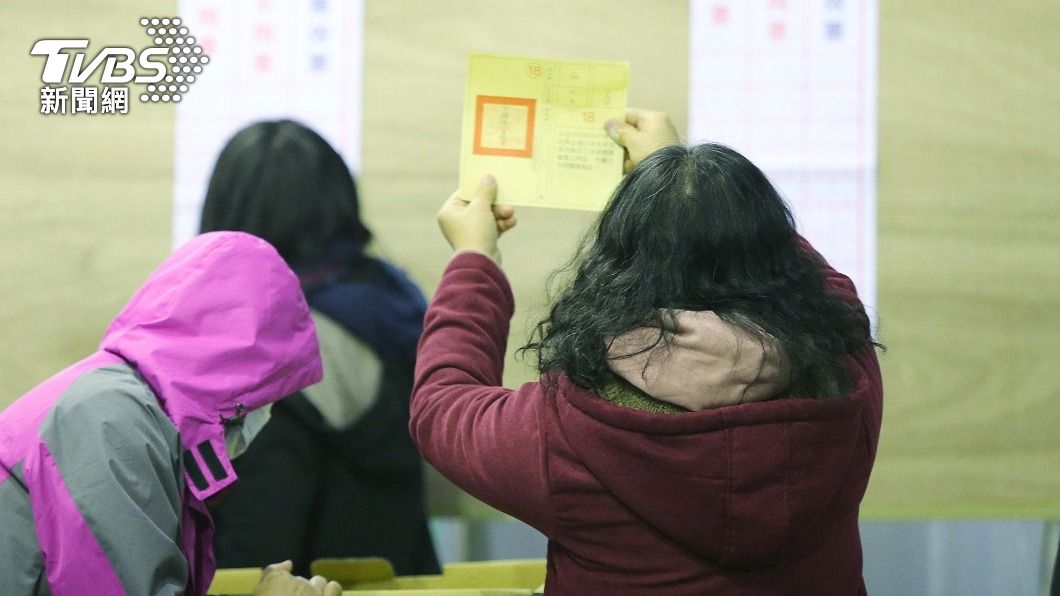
x: 118, y: 454
x: 21, y: 568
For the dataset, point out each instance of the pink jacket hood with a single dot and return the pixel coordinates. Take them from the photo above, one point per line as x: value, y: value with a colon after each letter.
x: 219, y: 329
x: 709, y: 363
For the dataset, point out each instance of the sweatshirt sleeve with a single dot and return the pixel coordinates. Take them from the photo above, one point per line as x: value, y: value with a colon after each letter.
x: 486, y: 439
x: 104, y: 490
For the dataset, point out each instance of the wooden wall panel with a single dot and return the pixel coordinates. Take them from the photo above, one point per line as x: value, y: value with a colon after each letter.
x: 85, y: 201
x: 969, y: 259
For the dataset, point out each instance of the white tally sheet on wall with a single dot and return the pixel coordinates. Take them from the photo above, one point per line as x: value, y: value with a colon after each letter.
x: 295, y: 59
x: 791, y: 84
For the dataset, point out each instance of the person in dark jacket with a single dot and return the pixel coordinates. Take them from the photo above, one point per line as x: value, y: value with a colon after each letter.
x: 335, y: 458
x: 1055, y: 589
x: 710, y: 399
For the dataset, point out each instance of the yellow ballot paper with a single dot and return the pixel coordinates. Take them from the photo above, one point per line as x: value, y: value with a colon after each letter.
x: 537, y: 125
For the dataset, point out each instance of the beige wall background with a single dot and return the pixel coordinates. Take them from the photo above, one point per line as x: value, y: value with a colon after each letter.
x: 84, y: 202
x: 968, y: 209
x: 969, y: 258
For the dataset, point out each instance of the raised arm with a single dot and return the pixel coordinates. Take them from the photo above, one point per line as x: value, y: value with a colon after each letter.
x: 482, y: 436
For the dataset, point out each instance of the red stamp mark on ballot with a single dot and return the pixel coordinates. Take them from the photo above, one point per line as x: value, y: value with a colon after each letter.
x: 504, y: 126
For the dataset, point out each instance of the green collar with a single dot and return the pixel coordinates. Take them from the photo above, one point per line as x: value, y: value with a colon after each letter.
x: 622, y: 393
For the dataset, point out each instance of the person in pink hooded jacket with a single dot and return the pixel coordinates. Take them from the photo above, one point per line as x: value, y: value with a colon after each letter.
x: 710, y: 401
x: 105, y: 467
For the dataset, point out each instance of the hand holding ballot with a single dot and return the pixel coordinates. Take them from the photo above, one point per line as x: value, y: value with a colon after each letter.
x: 476, y: 223
x: 537, y: 125
x: 642, y: 132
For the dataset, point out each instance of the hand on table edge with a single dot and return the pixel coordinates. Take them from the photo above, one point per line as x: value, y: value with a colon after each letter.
x: 277, y: 580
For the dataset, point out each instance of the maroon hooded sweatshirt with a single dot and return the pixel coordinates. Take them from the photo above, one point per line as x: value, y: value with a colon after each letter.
x: 757, y: 498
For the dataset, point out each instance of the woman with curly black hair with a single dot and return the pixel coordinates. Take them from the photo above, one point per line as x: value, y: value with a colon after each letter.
x: 710, y: 399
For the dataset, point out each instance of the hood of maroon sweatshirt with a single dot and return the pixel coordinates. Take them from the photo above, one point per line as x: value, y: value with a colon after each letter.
x: 707, y: 363
x: 737, y: 485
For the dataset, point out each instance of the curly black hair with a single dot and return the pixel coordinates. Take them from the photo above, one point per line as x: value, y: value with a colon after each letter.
x: 699, y: 228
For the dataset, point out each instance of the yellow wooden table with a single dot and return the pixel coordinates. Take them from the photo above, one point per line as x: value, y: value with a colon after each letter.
x: 367, y: 576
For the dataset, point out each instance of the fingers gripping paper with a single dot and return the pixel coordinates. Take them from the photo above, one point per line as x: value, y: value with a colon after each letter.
x: 538, y: 126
